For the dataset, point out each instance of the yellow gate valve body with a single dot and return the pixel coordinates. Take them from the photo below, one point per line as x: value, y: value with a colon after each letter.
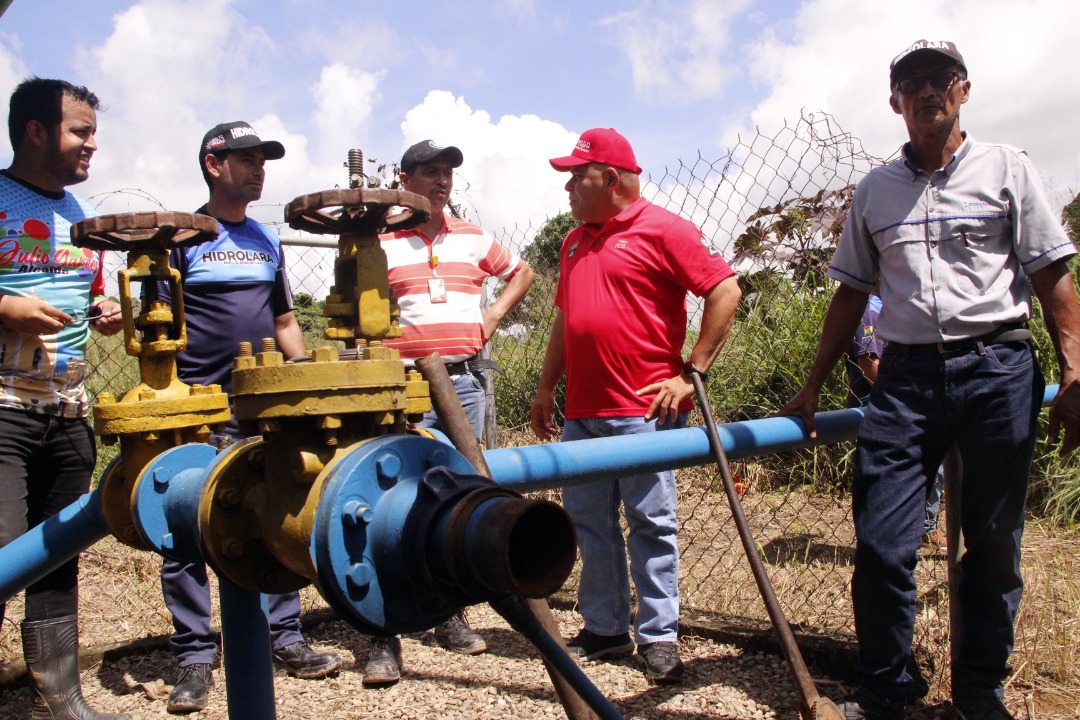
x: 260, y: 498
x: 161, y: 412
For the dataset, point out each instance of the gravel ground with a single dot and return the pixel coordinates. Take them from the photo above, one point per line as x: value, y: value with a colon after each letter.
x: 508, y: 681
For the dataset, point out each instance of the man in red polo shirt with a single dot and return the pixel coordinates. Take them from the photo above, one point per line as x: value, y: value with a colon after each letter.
x: 618, y: 336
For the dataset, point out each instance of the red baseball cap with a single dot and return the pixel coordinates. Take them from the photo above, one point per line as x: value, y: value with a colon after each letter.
x: 599, y: 145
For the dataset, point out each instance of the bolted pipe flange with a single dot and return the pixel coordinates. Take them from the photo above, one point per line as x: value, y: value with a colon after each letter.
x: 230, y: 506
x: 165, y: 514
x: 391, y: 600
x: 402, y: 556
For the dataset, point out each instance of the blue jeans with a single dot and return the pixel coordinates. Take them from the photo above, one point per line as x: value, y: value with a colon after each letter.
x: 649, y: 501
x: 470, y: 390
x: 987, y: 402
x: 933, y: 502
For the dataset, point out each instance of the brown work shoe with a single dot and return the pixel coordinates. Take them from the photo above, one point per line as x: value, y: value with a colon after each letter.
x: 302, y: 662
x: 456, y: 635
x: 383, y: 665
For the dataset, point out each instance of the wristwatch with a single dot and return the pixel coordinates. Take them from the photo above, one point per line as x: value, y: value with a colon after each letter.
x: 689, y: 369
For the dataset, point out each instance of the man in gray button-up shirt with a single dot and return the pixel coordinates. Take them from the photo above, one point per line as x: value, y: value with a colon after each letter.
x: 953, y: 230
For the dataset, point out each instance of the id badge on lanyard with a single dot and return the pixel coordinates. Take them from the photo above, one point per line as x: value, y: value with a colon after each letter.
x: 436, y: 290
x: 436, y: 287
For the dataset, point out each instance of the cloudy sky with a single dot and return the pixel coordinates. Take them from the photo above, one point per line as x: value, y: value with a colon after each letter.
x: 513, y: 82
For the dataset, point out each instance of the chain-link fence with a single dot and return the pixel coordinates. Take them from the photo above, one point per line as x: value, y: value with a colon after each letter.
x: 774, y: 206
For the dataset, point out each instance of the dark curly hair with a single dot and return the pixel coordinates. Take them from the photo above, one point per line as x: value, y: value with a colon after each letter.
x: 41, y: 99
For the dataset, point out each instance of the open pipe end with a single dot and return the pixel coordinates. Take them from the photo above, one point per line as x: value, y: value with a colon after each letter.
x: 512, y: 546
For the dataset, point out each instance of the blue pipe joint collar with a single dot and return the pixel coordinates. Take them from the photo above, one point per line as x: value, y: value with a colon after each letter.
x: 165, y: 501
x: 363, y: 562
x: 477, y: 541
x: 436, y: 524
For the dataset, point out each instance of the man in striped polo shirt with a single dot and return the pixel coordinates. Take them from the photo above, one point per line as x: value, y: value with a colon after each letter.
x: 437, y: 274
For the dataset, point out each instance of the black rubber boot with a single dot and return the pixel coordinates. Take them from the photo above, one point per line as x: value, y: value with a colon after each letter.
x: 51, y: 650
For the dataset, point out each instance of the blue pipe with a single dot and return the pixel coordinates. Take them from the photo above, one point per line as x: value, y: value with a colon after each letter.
x: 247, y: 659
x: 554, y: 465
x: 47, y: 546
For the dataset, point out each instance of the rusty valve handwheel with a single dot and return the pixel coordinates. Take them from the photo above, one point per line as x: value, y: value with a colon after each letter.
x: 357, y: 211
x: 144, y: 231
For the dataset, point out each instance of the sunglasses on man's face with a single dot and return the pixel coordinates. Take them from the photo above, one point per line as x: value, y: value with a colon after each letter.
x: 940, y: 80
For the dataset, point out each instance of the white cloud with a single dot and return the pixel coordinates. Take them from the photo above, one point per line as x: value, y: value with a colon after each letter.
x: 162, y: 95
x: 837, y: 57
x: 344, y: 101
x: 677, y: 51
x: 505, y: 179
x: 12, y: 68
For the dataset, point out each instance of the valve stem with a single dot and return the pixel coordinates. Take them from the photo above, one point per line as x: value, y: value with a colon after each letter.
x: 356, y: 168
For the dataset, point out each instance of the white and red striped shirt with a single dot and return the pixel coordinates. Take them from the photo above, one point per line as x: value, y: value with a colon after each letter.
x: 457, y: 260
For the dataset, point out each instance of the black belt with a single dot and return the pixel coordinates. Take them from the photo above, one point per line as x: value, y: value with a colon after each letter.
x: 471, y: 365
x: 1011, y: 332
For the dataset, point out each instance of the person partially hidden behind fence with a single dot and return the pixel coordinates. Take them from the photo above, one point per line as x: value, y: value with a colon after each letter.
x: 49, y: 301
x: 235, y: 289
x: 861, y: 361
x: 437, y: 272
x: 953, y: 230
x: 618, y: 336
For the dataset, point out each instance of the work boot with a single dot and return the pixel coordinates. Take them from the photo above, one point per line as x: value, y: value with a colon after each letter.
x: 302, y: 662
x: 455, y: 634
x: 51, y: 650
x: 868, y: 705
x: 587, y: 645
x: 983, y: 708
x: 384, y: 662
x: 192, y: 690
x: 662, y: 662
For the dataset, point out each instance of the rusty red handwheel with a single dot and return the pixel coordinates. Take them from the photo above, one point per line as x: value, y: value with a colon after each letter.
x: 144, y: 231
x: 334, y: 212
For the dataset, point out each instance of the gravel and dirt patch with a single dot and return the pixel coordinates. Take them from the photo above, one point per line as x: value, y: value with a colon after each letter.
x: 509, y: 681
x: 734, y: 669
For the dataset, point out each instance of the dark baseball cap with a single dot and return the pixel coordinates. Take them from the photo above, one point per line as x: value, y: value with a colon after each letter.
x: 235, y: 136
x: 426, y: 151
x: 943, y: 48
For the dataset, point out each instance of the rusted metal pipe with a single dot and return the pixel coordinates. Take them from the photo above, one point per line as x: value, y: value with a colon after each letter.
x: 950, y: 494
x: 455, y: 424
x: 814, y: 706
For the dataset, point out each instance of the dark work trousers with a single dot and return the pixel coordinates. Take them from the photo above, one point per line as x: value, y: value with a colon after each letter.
x: 45, y: 465
x: 187, y: 596
x: 986, y: 400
